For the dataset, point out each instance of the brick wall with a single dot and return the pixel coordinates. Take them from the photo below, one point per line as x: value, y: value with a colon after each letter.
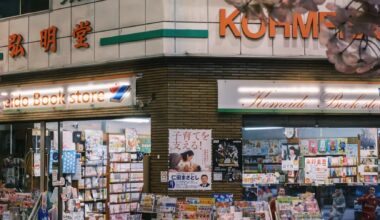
x: 183, y: 94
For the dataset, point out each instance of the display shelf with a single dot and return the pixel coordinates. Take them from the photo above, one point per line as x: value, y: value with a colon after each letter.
x: 126, y: 171
x: 127, y: 202
x: 139, y: 181
x: 127, y: 192
x: 325, y: 155
x: 337, y: 177
x: 116, y: 213
x: 92, y: 188
x: 369, y: 174
x: 93, y: 165
x: 100, y: 176
x: 97, y: 212
x: 118, y: 164
x: 342, y: 166
x: 93, y: 201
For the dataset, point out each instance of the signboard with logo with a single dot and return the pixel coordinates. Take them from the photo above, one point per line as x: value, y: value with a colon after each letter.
x: 189, y: 159
x: 297, y: 97
x: 91, y: 94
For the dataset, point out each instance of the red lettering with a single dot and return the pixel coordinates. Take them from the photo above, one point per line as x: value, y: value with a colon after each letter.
x: 248, y: 33
x: 272, y: 28
x: 225, y: 22
x: 305, y: 29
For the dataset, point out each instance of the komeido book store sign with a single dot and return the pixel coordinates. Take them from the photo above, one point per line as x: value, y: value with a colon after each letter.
x: 263, y: 96
x: 85, y: 95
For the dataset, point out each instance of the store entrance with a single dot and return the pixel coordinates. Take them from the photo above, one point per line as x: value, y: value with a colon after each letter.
x: 85, y: 169
x: 334, y: 158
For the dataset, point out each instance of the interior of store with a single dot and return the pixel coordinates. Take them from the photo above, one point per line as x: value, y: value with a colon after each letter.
x: 95, y: 165
x: 327, y: 158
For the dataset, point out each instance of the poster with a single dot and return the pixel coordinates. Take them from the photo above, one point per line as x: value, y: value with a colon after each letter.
x: 351, y: 150
x: 316, y: 170
x: 36, y: 164
x: 368, y: 142
x: 290, y: 154
x: 189, y: 159
x: 67, y: 140
x: 227, y: 160
x: 131, y: 139
x: 116, y: 143
x: 144, y: 143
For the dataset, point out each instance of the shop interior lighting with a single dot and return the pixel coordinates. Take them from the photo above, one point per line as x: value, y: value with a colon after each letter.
x: 4, y: 94
x: 352, y: 90
x: 94, y: 87
x: 134, y: 120
x: 362, y: 101
x: 41, y: 91
x: 261, y: 128
x: 279, y: 89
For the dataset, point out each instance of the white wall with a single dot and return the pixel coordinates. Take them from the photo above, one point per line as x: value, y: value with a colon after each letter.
x: 120, y: 17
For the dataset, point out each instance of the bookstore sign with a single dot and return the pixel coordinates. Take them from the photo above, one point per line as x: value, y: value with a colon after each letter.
x: 261, y: 96
x: 86, y: 95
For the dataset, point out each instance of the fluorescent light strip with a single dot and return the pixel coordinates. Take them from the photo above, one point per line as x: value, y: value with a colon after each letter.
x: 352, y: 90
x: 41, y: 91
x: 250, y: 100
x: 94, y: 87
x: 279, y: 89
x: 261, y: 128
x: 351, y: 101
x: 134, y: 120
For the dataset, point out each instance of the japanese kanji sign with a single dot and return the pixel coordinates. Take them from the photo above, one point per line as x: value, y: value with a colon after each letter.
x: 189, y: 159
x: 49, y: 39
x: 79, y: 33
x: 15, y: 45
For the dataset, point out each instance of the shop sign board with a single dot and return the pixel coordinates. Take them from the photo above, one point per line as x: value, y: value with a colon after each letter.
x: 85, y: 95
x: 189, y: 159
x: 264, y: 96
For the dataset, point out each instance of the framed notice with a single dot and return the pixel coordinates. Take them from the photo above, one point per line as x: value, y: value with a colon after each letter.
x: 189, y: 159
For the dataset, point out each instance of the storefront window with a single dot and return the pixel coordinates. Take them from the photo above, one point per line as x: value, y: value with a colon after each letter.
x: 335, y: 165
x: 96, y: 166
x: 20, y: 169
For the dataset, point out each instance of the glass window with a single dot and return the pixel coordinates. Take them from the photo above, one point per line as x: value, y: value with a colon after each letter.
x: 20, y: 168
x: 336, y: 166
x: 10, y: 8
x: 94, y: 153
x: 28, y: 6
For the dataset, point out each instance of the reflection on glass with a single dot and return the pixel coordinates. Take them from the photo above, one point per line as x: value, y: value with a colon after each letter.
x: 327, y: 162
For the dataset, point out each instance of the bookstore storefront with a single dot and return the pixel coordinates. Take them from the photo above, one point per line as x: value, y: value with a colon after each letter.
x: 86, y: 167
x: 316, y: 138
